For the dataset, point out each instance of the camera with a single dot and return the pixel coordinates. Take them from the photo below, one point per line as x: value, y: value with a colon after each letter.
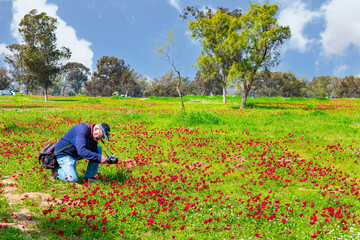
x: 112, y: 160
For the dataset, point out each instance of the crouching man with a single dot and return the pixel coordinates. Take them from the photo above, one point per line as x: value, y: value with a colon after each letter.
x: 84, y: 139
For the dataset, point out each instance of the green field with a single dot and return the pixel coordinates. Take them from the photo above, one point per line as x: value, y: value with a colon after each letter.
x: 279, y: 169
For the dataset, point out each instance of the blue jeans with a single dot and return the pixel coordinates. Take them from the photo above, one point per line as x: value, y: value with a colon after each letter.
x: 67, y: 170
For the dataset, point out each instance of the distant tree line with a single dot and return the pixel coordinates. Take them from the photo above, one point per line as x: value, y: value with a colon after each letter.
x: 38, y: 66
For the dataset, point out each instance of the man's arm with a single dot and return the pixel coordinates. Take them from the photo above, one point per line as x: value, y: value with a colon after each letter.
x: 80, y: 144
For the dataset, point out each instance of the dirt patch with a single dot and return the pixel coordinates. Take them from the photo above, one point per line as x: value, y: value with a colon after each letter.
x: 241, y: 159
x: 198, y: 164
x: 23, y: 217
x: 238, y: 166
x: 286, y: 161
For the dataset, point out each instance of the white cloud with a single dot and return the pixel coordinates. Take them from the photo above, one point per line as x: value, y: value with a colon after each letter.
x: 3, y: 49
x: 205, y: 8
x: 296, y: 15
x: 342, y: 26
x: 66, y: 35
x: 175, y: 4
x: 193, y: 40
x: 341, y: 70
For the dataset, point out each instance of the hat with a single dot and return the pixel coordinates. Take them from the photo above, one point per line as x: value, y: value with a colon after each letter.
x: 105, y: 128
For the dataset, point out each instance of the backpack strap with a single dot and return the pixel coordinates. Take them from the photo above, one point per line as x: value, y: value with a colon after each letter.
x: 63, y: 148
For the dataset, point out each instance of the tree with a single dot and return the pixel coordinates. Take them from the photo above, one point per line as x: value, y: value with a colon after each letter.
x: 323, y: 86
x: 19, y: 71
x: 41, y: 55
x: 212, y: 29
x: 111, y: 75
x: 348, y: 87
x: 203, y: 85
x: 274, y: 84
x: 76, y: 74
x: 143, y: 85
x: 255, y: 43
x: 4, y: 78
x: 167, y: 50
x: 166, y: 86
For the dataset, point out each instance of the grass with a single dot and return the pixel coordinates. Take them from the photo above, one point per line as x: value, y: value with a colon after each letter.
x: 278, y: 169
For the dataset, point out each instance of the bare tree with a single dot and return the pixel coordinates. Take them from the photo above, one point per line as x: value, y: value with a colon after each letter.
x: 167, y: 50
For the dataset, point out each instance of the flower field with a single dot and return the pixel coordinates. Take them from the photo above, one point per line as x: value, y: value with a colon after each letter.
x: 279, y: 169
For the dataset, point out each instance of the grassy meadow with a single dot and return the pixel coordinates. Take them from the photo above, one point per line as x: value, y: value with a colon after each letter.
x: 279, y: 169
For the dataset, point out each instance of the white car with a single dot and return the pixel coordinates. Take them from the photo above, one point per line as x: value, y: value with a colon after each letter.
x: 5, y: 93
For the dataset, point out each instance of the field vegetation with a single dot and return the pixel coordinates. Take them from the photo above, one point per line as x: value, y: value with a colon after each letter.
x: 278, y: 169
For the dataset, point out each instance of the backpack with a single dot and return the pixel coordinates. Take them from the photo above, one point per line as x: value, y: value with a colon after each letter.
x: 47, y: 156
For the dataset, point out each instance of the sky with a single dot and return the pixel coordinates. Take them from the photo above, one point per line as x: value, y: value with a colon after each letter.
x: 325, y: 37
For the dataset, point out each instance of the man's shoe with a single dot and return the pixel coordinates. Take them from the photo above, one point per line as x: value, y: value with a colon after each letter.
x: 89, y: 180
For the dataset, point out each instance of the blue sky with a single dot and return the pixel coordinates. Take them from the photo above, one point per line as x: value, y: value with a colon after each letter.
x: 325, y: 33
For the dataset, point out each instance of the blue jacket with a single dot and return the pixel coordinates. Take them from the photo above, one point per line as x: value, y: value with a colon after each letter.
x: 83, y: 144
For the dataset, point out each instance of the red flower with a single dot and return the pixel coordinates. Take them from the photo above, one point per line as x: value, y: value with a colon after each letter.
x: 79, y: 230
x: 60, y: 232
x: 182, y: 227
x: 121, y: 231
x: 313, y: 235
x: 161, y: 201
x: 103, y: 229
x: 344, y: 228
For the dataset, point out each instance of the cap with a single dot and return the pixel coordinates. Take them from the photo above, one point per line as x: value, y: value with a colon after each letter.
x: 105, y: 128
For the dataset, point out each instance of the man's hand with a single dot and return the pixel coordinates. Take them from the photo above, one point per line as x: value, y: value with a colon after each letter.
x: 103, y: 159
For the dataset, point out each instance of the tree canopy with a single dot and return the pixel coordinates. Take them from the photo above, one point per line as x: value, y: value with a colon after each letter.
x: 238, y: 45
x: 4, y: 79
x: 41, y: 55
x: 212, y: 29
x: 111, y: 74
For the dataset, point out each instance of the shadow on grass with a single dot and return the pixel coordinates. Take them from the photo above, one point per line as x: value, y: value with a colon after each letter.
x: 24, y: 106
x: 268, y: 106
x: 63, y: 100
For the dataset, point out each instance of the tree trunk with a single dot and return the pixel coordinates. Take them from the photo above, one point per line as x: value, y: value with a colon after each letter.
x: 63, y: 90
x: 223, y: 83
x: 180, y: 95
x: 46, y: 95
x: 245, y: 94
x: 179, y: 91
x: 224, y: 95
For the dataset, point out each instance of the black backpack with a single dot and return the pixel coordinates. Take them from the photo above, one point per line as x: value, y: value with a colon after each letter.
x: 47, y: 156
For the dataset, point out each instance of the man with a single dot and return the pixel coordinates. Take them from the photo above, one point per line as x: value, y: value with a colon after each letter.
x: 84, y: 139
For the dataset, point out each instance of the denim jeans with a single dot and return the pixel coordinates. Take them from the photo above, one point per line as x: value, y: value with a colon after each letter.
x: 67, y: 170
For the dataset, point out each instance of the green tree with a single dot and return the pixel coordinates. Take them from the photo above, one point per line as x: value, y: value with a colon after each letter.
x: 167, y: 50
x: 212, y: 29
x: 323, y: 86
x: 274, y: 84
x: 166, y: 86
x: 206, y: 85
x: 76, y: 74
x: 348, y: 87
x: 4, y: 78
x: 18, y: 69
x: 255, y: 43
x: 41, y: 55
x: 112, y: 74
x: 143, y: 85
